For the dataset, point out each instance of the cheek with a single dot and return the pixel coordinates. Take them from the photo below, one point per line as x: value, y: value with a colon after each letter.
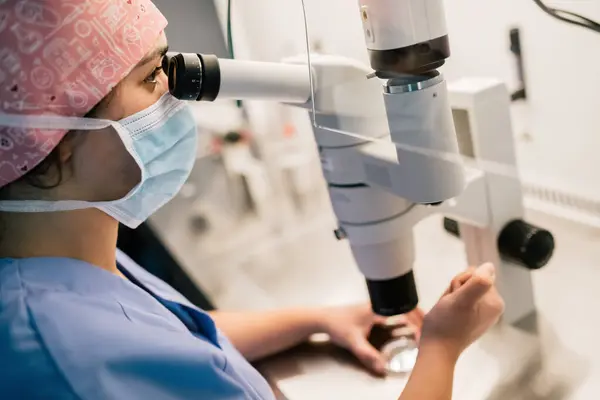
x: 104, y: 167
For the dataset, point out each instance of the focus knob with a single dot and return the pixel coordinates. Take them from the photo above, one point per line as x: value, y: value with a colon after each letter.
x: 526, y: 244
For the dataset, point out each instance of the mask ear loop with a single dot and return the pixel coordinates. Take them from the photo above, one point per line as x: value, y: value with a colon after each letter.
x: 52, y: 122
x: 69, y: 124
x: 55, y: 122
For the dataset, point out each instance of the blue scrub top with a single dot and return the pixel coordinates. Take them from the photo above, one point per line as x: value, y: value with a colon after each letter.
x: 70, y: 330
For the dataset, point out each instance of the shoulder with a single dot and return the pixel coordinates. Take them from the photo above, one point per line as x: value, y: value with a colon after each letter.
x: 112, y: 349
x: 32, y: 373
x: 100, y: 344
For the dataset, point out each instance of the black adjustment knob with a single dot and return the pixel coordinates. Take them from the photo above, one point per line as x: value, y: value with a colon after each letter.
x: 526, y: 244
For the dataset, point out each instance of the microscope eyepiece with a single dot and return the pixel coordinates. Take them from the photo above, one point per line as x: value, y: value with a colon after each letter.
x: 192, y: 76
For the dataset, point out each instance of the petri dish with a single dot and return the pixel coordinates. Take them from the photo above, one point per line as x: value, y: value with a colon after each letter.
x: 401, y: 355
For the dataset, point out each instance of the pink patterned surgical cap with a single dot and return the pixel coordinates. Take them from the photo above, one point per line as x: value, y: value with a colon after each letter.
x: 61, y: 57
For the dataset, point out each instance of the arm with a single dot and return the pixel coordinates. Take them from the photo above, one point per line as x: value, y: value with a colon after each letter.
x: 433, y: 374
x: 260, y: 334
x: 469, y: 307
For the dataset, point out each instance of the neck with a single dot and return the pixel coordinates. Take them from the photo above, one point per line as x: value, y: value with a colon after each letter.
x: 88, y: 235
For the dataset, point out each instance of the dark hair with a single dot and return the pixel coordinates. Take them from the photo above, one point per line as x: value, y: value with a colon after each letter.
x: 38, y: 176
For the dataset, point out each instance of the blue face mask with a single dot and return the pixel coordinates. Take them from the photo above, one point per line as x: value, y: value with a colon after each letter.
x: 162, y: 140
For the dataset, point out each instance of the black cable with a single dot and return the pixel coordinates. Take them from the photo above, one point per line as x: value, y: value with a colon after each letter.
x: 229, y: 35
x: 569, y: 17
x: 584, y: 19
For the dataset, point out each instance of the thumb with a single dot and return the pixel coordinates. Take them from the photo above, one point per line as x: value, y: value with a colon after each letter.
x: 477, y: 286
x: 369, y: 356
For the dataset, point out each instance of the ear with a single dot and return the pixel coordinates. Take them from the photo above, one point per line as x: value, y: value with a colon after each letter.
x: 66, y: 155
x: 66, y: 147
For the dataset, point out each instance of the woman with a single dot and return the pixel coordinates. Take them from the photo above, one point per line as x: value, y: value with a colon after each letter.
x: 80, y: 320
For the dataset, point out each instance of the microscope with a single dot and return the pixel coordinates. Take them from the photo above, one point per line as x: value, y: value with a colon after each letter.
x: 403, y: 160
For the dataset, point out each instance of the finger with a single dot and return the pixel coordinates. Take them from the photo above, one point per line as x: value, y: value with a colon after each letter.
x: 415, y: 319
x: 487, y: 270
x: 457, y: 282
x: 380, y: 320
x: 396, y: 320
x: 369, y: 356
x: 477, y: 286
x: 405, y: 331
x: 461, y: 278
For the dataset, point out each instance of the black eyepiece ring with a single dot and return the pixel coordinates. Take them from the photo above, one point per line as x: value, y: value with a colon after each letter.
x: 185, y: 76
x: 193, y: 76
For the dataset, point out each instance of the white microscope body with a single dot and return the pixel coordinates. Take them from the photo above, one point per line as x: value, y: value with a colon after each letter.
x: 379, y: 190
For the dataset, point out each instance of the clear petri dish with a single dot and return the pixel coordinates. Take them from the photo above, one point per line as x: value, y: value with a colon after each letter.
x: 401, y: 355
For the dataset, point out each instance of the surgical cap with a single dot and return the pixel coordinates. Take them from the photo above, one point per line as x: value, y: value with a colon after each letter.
x: 61, y: 57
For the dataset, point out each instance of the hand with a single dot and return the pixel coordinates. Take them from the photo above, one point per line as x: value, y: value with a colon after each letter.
x: 349, y: 327
x: 468, y: 308
x: 414, y: 319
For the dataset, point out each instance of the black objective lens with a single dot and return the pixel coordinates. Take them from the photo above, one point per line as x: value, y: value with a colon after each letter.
x: 393, y: 296
x: 193, y: 76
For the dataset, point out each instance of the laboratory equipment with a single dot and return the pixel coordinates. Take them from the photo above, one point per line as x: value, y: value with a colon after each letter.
x: 401, y: 355
x: 400, y: 159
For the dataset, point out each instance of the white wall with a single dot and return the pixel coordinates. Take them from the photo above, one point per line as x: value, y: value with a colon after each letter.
x: 556, y: 129
x: 562, y: 114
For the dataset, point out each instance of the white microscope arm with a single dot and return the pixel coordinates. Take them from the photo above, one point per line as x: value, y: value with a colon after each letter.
x: 379, y: 191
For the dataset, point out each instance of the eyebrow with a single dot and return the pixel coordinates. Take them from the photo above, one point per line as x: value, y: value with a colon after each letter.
x: 159, y: 52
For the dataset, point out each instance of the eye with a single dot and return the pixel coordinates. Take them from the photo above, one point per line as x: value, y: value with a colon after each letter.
x: 152, y: 77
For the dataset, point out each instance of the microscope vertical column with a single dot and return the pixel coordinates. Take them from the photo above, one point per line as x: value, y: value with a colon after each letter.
x: 481, y: 110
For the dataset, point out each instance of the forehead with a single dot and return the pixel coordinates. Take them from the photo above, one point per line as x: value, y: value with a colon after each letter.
x: 162, y: 40
x: 158, y: 49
